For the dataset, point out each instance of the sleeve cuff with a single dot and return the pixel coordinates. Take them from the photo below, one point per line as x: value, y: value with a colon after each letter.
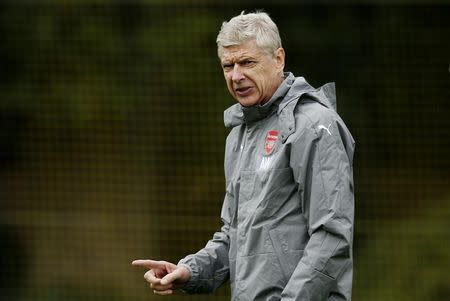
x: 191, y: 285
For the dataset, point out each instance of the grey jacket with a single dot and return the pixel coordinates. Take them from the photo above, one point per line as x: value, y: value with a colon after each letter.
x: 288, y: 210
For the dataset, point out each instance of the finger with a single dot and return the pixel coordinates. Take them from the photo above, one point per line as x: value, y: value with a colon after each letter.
x: 160, y: 287
x: 151, y: 277
x: 149, y: 264
x: 163, y: 293
x: 169, y: 278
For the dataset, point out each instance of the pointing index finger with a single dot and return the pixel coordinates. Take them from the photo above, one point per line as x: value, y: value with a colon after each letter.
x: 147, y: 263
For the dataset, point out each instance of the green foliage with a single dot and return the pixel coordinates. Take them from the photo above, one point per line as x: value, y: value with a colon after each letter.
x: 405, y: 259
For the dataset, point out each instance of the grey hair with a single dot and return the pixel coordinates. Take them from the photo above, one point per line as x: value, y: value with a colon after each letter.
x: 245, y: 27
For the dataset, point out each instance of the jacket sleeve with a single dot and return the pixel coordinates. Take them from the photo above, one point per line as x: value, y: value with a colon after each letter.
x: 321, y: 160
x: 209, y: 267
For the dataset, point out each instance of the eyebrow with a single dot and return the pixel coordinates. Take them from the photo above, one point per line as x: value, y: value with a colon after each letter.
x: 247, y: 58
x: 226, y: 63
x: 243, y: 59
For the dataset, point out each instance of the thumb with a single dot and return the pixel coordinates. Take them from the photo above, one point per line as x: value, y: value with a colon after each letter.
x: 171, y: 277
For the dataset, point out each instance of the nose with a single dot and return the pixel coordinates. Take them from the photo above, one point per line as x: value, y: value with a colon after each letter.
x: 237, y: 74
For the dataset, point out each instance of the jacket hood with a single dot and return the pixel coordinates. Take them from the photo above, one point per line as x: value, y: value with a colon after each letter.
x: 325, y: 95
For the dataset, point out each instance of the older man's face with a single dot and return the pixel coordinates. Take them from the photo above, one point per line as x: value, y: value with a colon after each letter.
x: 252, y: 75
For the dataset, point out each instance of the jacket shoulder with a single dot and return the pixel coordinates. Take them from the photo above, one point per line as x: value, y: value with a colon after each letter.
x: 309, y: 113
x: 320, y: 122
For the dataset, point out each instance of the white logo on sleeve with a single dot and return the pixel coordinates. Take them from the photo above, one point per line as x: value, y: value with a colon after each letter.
x: 322, y: 127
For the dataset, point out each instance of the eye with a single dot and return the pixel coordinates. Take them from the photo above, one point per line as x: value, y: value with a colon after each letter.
x: 227, y: 67
x: 247, y: 62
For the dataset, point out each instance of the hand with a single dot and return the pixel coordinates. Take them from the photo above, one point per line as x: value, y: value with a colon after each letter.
x: 164, y: 277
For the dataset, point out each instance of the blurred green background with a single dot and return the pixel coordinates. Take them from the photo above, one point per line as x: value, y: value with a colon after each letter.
x: 112, y: 139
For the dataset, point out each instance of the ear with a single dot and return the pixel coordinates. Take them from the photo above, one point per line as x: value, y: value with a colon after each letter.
x: 279, y: 58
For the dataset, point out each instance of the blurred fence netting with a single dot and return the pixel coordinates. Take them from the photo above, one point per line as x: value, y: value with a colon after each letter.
x: 112, y: 139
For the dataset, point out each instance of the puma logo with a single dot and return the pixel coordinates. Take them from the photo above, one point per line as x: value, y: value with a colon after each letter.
x: 322, y: 127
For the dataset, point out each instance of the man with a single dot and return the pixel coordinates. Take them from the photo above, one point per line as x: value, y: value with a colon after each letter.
x: 288, y: 208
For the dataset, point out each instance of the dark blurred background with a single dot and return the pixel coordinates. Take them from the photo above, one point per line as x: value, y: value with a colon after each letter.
x: 112, y: 138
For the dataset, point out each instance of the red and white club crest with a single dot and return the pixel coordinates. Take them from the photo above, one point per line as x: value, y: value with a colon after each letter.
x: 271, y: 139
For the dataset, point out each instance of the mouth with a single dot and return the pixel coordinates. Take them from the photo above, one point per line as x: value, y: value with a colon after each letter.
x: 243, y: 91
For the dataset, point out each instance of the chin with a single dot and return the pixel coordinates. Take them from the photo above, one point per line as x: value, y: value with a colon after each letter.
x: 248, y: 101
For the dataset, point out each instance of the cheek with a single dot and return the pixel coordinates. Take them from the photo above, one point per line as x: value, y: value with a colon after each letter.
x: 260, y: 80
x: 229, y: 85
x: 227, y: 79
x: 262, y: 84
x: 267, y: 81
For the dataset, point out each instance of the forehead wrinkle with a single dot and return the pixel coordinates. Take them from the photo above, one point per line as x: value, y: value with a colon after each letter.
x: 238, y: 54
